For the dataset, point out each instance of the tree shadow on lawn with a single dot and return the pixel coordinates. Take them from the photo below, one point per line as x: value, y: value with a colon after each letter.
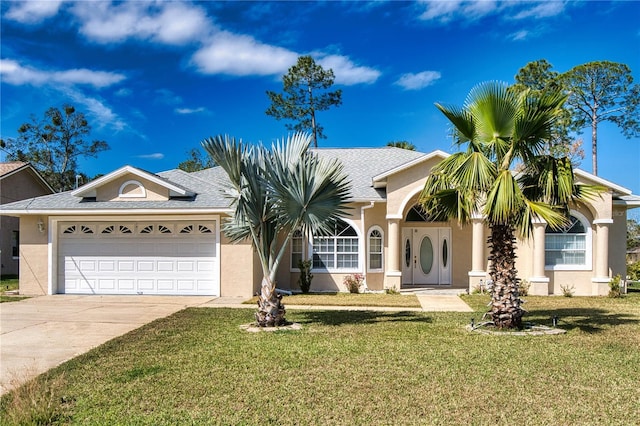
x: 359, y: 317
x: 586, y: 320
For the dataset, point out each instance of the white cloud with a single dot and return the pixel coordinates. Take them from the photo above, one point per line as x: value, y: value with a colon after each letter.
x: 32, y: 12
x: 185, y: 111
x: 170, y: 23
x: 418, y: 81
x: 448, y: 10
x: 346, y: 72
x: 154, y: 156
x: 14, y: 73
x: 242, y: 55
x: 519, y: 35
x: 542, y: 10
x: 104, y: 116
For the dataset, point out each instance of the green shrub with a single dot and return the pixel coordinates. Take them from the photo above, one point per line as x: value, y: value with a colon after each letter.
x: 633, y: 271
x: 305, y: 275
x: 615, y: 287
x: 524, y: 287
x: 392, y: 290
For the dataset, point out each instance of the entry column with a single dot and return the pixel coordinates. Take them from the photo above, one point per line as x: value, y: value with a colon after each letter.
x: 600, y: 280
x: 477, y: 272
x: 539, y: 281
x: 393, y: 274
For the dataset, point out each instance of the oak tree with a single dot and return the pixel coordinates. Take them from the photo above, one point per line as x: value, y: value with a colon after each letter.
x: 54, y: 144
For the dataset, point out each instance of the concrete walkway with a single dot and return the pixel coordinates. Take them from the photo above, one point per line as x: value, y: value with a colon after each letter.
x: 429, y: 302
x: 40, y: 333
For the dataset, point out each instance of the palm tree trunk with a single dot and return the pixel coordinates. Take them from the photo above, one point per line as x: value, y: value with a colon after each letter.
x: 506, y: 311
x: 271, y: 312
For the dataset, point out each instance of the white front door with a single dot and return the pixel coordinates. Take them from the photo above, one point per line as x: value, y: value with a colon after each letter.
x: 426, y: 256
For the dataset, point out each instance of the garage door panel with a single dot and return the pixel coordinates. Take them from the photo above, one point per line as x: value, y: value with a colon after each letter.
x: 126, y: 285
x: 166, y: 266
x: 168, y: 263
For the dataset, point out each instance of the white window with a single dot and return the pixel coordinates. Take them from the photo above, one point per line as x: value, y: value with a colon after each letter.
x: 337, y: 251
x: 375, y: 249
x: 569, y: 248
x: 297, y: 249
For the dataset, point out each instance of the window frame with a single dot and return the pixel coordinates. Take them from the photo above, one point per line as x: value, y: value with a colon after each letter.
x: 335, y: 269
x: 378, y: 229
x: 588, y: 249
x: 293, y: 267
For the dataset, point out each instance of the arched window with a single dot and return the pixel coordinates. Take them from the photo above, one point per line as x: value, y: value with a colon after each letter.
x: 375, y: 246
x: 337, y: 251
x: 570, y: 247
x: 132, y: 189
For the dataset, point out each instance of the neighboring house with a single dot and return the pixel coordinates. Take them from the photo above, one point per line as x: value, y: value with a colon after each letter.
x: 18, y: 181
x: 135, y: 232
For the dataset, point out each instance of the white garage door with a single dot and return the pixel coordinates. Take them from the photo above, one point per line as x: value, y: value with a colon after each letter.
x: 176, y: 258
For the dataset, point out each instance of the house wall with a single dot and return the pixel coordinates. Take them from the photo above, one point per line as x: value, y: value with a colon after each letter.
x: 618, y: 242
x: 240, y: 272
x: 34, y: 273
x: 15, y: 187
x: 406, y: 184
x: 109, y: 191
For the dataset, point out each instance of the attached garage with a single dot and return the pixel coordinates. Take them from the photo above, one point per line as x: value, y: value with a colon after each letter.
x: 159, y: 257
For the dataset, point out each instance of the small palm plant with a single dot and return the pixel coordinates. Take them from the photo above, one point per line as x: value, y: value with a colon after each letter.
x: 504, y: 176
x: 276, y: 192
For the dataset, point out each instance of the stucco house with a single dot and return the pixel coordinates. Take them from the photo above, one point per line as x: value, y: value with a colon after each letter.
x: 136, y: 232
x: 18, y: 181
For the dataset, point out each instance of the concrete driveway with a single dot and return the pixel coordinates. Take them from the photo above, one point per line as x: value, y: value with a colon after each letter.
x: 42, y: 332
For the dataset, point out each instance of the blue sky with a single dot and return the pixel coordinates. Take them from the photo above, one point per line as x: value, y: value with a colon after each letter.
x: 156, y: 78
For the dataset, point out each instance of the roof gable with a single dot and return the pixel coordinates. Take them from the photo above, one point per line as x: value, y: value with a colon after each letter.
x: 13, y: 167
x: 90, y: 189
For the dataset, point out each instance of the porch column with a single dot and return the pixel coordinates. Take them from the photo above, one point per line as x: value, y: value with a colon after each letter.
x: 393, y: 274
x: 477, y: 272
x: 539, y: 282
x: 600, y: 280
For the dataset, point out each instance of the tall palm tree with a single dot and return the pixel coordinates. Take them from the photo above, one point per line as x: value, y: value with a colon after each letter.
x: 276, y: 192
x: 504, y: 176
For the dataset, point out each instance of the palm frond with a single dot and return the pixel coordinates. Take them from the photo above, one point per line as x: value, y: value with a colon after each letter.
x: 464, y: 127
x: 505, y: 199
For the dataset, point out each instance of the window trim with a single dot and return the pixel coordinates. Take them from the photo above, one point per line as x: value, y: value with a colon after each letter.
x: 129, y: 195
x: 304, y: 254
x: 336, y: 270
x: 381, y: 253
x: 588, y: 248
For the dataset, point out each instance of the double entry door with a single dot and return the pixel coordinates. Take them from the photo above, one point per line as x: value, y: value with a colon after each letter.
x: 426, y: 256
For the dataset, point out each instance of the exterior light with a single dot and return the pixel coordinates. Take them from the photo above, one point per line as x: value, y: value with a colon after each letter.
x: 41, y: 226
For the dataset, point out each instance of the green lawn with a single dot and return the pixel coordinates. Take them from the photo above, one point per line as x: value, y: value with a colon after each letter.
x: 9, y: 283
x: 198, y: 367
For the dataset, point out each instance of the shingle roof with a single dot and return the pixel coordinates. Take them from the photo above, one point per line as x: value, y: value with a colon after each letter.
x: 362, y: 164
x: 8, y: 167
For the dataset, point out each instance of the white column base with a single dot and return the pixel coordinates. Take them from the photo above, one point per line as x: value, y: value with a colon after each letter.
x: 600, y: 286
x: 539, y: 286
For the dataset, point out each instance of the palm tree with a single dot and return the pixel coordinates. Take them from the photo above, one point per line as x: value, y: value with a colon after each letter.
x: 276, y: 192
x: 504, y: 176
